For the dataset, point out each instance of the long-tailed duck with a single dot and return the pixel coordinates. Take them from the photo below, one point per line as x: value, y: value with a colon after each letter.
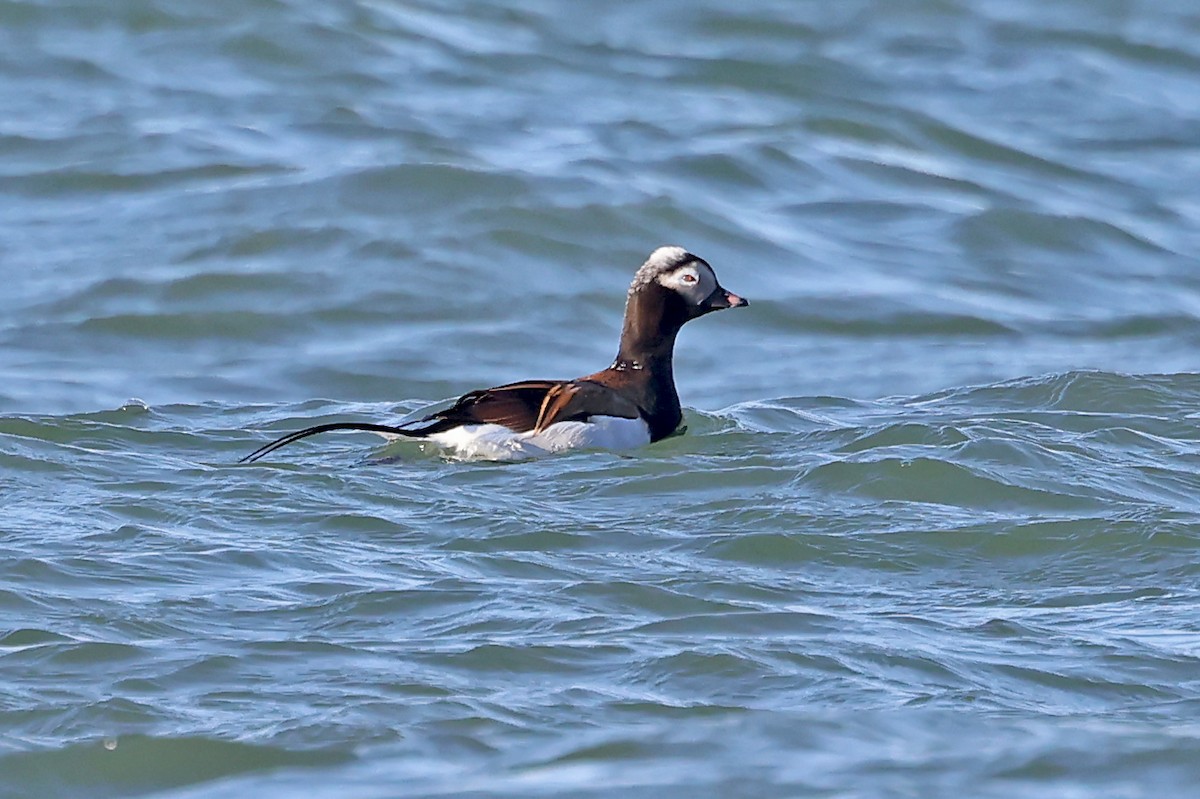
x: 631, y: 403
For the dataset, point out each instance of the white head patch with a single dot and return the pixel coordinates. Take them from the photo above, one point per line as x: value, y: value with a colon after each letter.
x: 677, y: 269
x: 694, y: 280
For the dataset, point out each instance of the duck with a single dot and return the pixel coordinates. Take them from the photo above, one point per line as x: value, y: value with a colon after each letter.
x: 632, y: 403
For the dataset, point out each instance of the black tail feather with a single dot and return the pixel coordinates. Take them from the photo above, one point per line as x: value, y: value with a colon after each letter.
x: 283, y: 441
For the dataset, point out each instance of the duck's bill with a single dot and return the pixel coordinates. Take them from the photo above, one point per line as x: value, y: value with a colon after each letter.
x: 720, y: 298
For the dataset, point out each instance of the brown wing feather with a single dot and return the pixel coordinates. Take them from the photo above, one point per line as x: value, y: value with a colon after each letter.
x: 532, y: 405
x: 580, y: 399
x: 515, y: 406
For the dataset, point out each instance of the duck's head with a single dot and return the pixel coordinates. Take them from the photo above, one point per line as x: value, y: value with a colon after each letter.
x: 689, y: 278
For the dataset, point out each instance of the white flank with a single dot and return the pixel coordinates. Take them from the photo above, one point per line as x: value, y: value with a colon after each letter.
x: 493, y: 442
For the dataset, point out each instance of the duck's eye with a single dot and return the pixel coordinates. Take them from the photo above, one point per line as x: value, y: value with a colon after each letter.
x: 688, y: 278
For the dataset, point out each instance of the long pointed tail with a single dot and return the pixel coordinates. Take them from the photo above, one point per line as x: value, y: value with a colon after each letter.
x: 267, y: 449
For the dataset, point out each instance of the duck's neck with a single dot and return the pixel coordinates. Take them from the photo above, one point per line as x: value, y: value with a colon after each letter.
x: 645, y: 357
x: 648, y: 333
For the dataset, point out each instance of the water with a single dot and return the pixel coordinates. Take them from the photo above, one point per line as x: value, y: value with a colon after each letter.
x: 933, y: 529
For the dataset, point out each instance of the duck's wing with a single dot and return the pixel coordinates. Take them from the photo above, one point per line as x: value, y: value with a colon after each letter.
x: 516, y: 406
x: 531, y: 405
x: 579, y: 400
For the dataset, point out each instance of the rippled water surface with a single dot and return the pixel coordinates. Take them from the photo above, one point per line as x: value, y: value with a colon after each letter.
x: 934, y: 527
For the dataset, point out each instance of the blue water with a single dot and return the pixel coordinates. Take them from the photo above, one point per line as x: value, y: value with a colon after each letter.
x: 933, y: 529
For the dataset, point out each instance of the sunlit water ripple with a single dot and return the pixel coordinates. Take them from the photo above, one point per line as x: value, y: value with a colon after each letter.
x: 933, y: 527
